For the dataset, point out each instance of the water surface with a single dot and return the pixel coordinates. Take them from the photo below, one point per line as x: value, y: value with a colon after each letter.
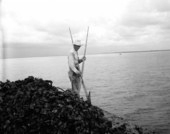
x: 133, y: 85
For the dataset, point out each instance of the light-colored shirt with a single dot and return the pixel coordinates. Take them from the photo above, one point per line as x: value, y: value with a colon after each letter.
x: 73, y: 61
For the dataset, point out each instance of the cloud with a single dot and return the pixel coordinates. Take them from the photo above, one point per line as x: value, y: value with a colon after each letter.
x: 54, y: 16
x: 146, y: 13
x: 113, y: 23
x: 145, y: 22
x: 161, y: 6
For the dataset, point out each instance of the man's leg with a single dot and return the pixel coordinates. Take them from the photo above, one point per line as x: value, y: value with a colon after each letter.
x: 72, y: 80
x: 74, y: 87
x: 78, y: 84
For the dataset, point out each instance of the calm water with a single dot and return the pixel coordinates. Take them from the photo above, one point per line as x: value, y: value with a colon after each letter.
x: 135, y: 86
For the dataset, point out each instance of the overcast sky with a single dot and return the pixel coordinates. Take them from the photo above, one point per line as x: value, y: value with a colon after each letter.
x: 40, y: 27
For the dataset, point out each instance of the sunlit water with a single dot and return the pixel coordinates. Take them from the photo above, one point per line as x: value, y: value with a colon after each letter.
x: 135, y: 86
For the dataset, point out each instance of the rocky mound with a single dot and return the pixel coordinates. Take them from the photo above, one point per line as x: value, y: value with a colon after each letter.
x: 34, y: 106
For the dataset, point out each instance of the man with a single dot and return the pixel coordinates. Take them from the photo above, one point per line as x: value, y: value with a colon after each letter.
x: 74, y: 68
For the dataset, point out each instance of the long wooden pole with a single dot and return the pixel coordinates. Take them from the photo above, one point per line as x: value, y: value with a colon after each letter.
x: 87, y: 95
x: 82, y: 70
x: 71, y: 36
x: 84, y: 87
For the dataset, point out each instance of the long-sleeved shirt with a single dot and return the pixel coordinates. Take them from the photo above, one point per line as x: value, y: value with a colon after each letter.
x: 73, y: 61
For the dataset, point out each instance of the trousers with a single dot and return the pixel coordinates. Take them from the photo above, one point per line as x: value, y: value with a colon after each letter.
x: 75, y: 82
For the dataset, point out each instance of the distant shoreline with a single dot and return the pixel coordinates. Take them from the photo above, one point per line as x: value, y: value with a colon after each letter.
x: 126, y: 52
x: 144, y: 51
x: 118, y: 52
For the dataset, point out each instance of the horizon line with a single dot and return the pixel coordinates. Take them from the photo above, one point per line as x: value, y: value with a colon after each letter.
x: 117, y: 52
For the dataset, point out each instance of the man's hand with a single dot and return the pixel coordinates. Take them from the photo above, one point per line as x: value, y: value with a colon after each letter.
x: 79, y: 73
x: 83, y: 59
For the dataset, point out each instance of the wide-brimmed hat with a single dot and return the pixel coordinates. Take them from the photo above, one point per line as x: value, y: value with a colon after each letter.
x: 77, y: 43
